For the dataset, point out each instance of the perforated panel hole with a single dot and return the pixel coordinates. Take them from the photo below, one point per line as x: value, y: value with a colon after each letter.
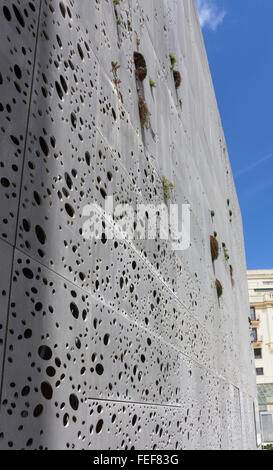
x: 80, y: 51
x: 6, y: 13
x: 99, y: 369
x: 74, y: 310
x: 44, y: 146
x: 68, y: 180
x: 18, y: 15
x: 103, y: 193
x: 37, y: 198
x: 74, y: 401
x: 46, y: 390
x: 87, y: 158
x: 28, y: 273
x: 73, y: 120
x: 62, y: 8
x: 99, y: 426
x: 50, y: 371
x: 69, y: 209
x: 17, y: 71
x: 63, y: 83
x: 5, y: 182
x: 45, y: 352
x: 38, y: 411
x: 66, y: 420
x: 40, y: 234
x: 26, y: 225
x: 59, y: 90
x: 106, y: 339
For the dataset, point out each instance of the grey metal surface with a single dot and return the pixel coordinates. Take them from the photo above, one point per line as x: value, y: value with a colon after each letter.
x: 119, y: 344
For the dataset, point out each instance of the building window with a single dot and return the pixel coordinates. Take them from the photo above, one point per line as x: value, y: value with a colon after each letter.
x: 252, y: 313
x: 259, y: 371
x: 263, y: 290
x: 254, y: 334
x: 258, y: 353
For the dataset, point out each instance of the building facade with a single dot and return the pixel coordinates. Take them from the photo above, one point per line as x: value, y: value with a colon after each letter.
x: 260, y: 285
x: 117, y: 343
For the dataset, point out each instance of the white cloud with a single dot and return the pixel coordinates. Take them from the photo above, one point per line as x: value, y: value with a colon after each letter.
x: 210, y: 15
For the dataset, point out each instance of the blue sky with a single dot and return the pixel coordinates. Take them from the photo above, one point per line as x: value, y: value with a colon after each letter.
x: 239, y: 40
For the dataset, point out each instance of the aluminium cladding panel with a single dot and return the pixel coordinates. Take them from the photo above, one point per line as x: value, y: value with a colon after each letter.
x: 44, y: 391
x: 67, y: 343
x: 6, y: 252
x: 19, y: 24
x: 111, y: 343
x: 59, y: 178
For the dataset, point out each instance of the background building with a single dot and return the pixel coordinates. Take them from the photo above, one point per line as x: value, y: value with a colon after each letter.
x: 117, y: 343
x: 260, y: 285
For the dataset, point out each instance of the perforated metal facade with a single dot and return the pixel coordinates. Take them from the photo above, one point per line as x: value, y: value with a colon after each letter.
x: 116, y: 344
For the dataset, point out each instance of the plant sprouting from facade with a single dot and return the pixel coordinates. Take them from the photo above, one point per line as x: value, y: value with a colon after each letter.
x: 173, y: 60
x: 137, y: 39
x: 115, y: 67
x: 167, y: 187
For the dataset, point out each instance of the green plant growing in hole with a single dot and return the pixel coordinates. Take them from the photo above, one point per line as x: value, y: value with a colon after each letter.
x: 167, y: 187
x: 152, y: 83
x: 129, y: 25
x: 214, y: 248
x: 219, y: 288
x: 118, y: 20
x: 212, y: 214
x: 137, y: 40
x: 115, y: 67
x: 116, y: 2
x: 181, y: 103
x: 173, y: 60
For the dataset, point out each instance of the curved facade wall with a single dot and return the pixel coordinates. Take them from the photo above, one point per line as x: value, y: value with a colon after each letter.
x: 110, y: 343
